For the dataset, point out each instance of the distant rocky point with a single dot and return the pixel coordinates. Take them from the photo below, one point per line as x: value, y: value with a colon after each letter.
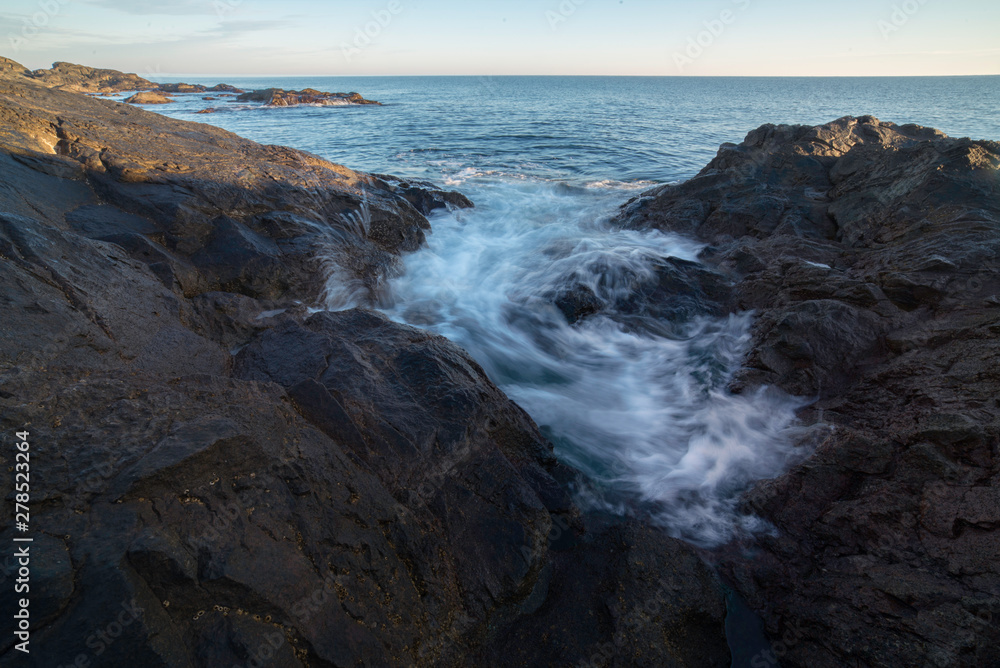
x: 83, y: 79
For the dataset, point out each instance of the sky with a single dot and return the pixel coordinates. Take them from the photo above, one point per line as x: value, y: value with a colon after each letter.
x: 500, y: 37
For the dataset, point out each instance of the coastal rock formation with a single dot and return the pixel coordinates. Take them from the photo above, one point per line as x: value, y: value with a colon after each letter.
x: 149, y: 98
x: 82, y: 79
x: 222, y: 476
x: 224, y: 88
x: 10, y: 68
x: 181, y: 88
x: 276, y: 97
x: 871, y: 252
x: 423, y: 195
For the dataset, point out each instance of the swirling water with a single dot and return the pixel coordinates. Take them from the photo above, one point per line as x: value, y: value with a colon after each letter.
x: 640, y: 408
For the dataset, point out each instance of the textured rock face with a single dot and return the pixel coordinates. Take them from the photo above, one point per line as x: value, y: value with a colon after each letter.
x: 627, y: 596
x: 221, y: 479
x: 82, y: 79
x: 10, y: 68
x: 871, y: 252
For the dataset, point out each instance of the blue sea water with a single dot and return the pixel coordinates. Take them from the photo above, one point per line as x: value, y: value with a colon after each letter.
x: 582, y: 129
x: 643, y: 411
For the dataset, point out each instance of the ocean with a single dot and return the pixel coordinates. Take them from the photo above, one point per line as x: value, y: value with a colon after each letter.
x: 641, y: 409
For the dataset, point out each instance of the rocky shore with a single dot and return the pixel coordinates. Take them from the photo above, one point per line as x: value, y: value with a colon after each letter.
x: 871, y: 254
x: 222, y: 476
x: 81, y: 79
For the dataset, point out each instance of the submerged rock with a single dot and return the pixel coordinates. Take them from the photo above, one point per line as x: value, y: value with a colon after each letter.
x: 871, y: 252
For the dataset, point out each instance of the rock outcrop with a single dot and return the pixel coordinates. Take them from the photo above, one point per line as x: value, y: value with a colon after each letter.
x: 221, y: 476
x: 224, y: 88
x: 276, y: 97
x: 82, y: 79
x: 871, y: 253
x: 181, y: 88
x: 9, y: 68
x: 149, y: 98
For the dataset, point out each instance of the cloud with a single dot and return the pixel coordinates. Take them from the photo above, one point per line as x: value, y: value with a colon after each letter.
x: 145, y: 7
x: 241, y: 27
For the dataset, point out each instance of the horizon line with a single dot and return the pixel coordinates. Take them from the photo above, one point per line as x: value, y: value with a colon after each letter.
x: 645, y: 76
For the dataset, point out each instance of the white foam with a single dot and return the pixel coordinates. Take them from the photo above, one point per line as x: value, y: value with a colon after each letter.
x: 646, y: 416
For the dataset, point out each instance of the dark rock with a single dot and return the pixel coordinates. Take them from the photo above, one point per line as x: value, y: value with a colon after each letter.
x: 871, y: 252
x: 628, y: 596
x: 577, y: 302
x: 425, y: 201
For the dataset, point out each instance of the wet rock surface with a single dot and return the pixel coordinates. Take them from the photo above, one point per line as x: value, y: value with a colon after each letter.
x: 871, y: 253
x: 221, y: 477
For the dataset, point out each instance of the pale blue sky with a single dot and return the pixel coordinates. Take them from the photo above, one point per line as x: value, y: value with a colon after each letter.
x: 495, y: 37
